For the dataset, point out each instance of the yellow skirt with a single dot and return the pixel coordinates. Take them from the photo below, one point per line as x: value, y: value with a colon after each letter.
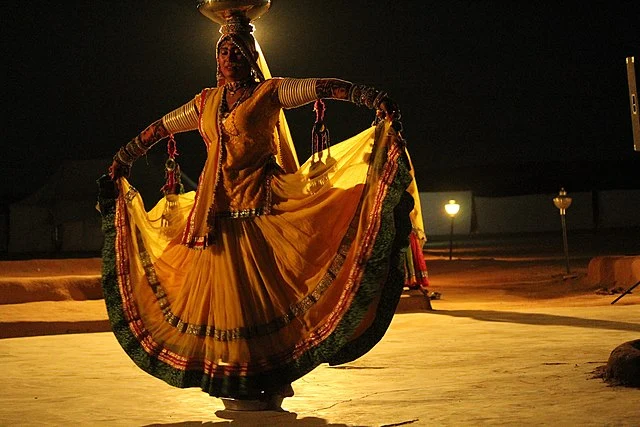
x: 315, y: 281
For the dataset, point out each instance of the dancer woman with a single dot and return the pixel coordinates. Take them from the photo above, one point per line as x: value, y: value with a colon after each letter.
x: 269, y: 269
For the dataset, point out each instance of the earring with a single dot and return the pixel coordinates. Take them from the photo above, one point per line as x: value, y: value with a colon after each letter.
x: 219, y: 76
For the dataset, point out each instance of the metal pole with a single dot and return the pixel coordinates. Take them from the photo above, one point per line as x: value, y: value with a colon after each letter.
x: 451, y: 240
x: 565, y: 242
x: 628, y: 291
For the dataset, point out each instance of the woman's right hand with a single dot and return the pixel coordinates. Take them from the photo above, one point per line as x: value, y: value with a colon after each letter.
x: 137, y: 147
x: 117, y: 170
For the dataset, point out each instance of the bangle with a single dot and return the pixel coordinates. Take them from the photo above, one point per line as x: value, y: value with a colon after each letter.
x: 365, y: 95
x: 354, y: 94
x: 123, y: 157
x: 135, y: 148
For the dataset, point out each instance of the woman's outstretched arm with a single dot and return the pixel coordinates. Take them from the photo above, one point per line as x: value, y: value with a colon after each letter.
x: 297, y: 92
x: 181, y: 119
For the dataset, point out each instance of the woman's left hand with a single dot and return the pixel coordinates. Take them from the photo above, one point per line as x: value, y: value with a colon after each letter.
x: 388, y: 110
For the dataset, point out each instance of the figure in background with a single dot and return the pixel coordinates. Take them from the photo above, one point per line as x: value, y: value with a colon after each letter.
x: 415, y: 266
x: 270, y: 268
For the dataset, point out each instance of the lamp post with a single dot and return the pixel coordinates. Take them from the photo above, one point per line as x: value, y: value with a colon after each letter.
x: 562, y: 202
x: 452, y: 209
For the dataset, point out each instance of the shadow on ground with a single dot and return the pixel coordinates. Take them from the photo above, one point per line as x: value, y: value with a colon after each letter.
x: 539, y: 319
x: 279, y: 418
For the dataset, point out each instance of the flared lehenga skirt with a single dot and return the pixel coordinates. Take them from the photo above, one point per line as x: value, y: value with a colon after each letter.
x: 315, y: 281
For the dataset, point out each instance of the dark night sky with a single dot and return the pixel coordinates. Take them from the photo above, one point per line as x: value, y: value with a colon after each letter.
x: 499, y: 97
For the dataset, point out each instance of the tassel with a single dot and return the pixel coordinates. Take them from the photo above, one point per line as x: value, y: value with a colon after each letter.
x: 172, y: 187
x: 319, y: 133
x: 320, y: 142
x: 173, y: 182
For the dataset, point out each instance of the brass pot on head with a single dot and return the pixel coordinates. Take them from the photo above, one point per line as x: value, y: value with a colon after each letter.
x: 220, y: 11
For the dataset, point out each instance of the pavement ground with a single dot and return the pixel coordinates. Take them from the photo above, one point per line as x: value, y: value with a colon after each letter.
x: 511, y: 341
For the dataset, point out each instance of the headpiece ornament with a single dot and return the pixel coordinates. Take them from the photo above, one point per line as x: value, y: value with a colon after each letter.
x: 234, y: 18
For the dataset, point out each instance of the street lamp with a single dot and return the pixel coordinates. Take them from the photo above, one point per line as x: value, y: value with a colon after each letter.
x: 562, y: 202
x: 452, y: 209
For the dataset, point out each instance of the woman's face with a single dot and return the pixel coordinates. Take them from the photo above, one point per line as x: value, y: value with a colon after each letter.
x: 233, y: 65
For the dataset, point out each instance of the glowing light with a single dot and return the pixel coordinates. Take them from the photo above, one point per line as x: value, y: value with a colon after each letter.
x: 452, y: 208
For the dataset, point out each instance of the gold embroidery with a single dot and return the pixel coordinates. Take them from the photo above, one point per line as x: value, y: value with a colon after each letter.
x: 131, y: 194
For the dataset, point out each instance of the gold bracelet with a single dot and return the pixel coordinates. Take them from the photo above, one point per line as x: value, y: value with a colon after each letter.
x: 296, y: 92
x: 135, y: 148
x: 123, y: 157
x: 368, y: 96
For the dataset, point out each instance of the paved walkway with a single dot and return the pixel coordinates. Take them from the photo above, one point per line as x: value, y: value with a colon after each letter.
x: 455, y: 366
x: 510, y: 343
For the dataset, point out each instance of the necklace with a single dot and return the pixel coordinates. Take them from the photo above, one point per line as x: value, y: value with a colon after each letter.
x: 233, y: 87
x: 224, y: 110
x: 224, y: 106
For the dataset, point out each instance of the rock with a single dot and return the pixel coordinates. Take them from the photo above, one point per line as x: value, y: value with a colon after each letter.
x: 623, y: 366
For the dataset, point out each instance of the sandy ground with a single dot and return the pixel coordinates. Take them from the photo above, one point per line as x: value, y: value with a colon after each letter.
x: 510, y: 342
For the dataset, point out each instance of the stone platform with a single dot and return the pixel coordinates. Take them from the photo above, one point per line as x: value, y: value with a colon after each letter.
x: 614, y: 271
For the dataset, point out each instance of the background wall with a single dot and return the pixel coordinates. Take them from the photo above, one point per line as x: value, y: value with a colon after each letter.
x: 61, y: 217
x: 530, y: 213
